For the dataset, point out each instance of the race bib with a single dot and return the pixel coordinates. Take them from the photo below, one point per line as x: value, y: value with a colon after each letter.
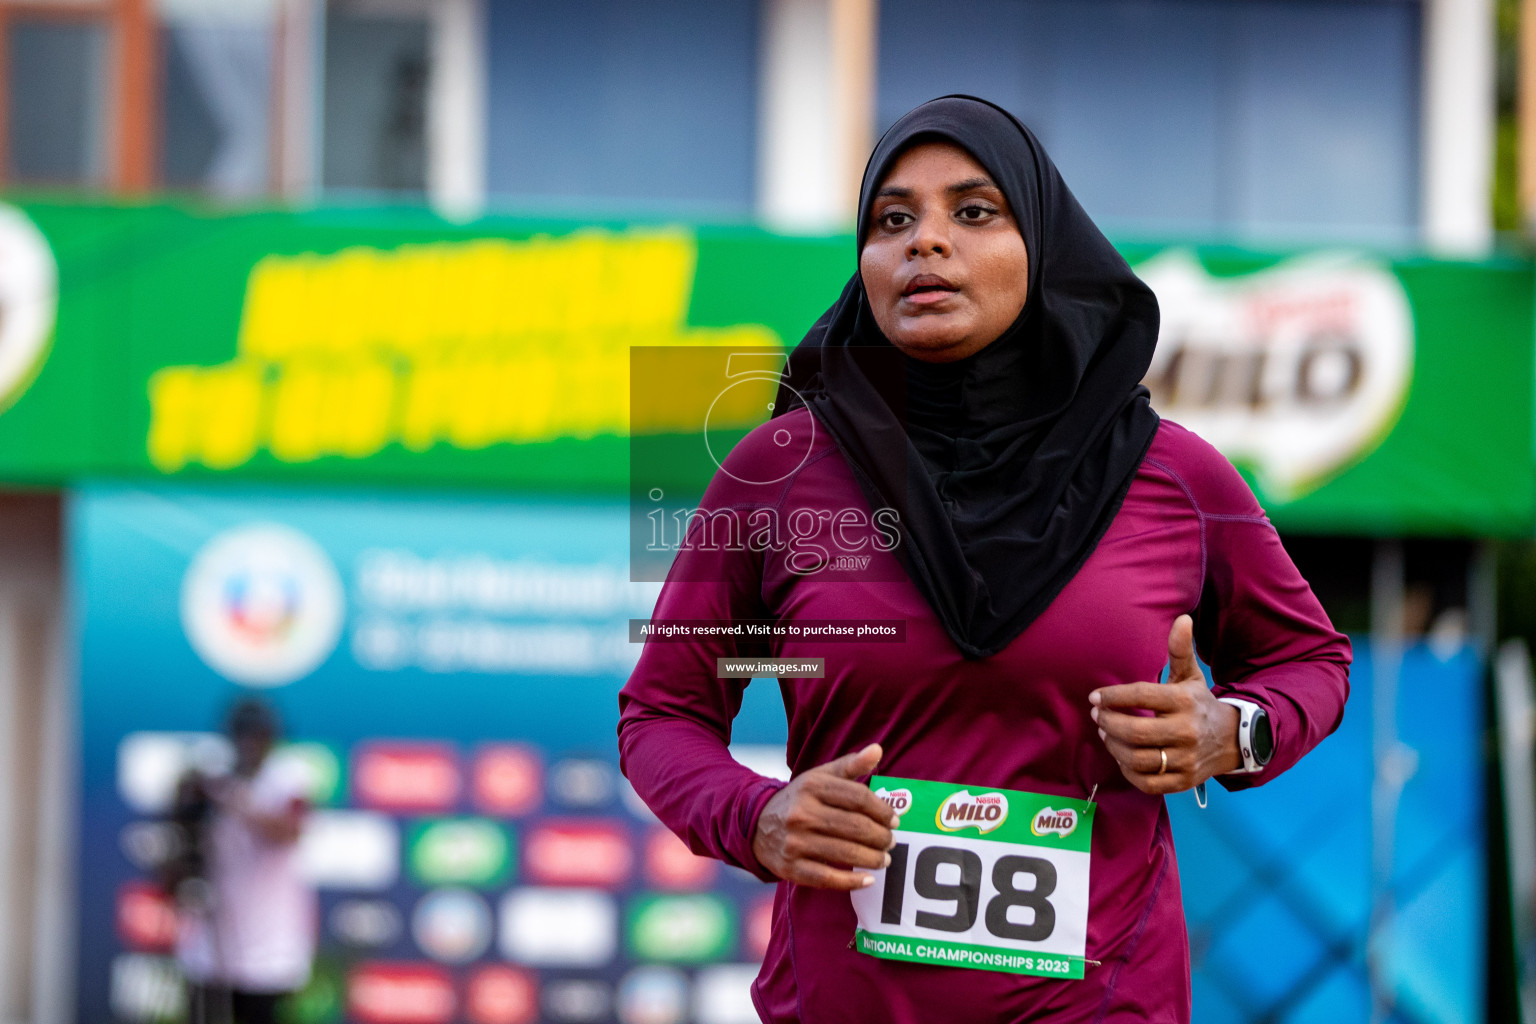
x: 990, y: 879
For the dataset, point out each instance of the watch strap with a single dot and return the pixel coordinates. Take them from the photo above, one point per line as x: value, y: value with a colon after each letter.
x: 1247, y: 712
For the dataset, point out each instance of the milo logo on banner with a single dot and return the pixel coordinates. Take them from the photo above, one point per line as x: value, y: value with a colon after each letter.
x: 983, y: 812
x: 1296, y: 371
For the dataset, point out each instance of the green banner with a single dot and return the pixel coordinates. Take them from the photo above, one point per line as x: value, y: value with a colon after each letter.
x: 1356, y: 393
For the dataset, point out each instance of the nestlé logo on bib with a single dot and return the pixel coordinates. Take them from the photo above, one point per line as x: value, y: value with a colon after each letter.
x: 1053, y: 822
x: 983, y: 812
x: 898, y: 800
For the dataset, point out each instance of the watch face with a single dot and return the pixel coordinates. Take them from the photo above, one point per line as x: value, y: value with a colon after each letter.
x: 1263, y: 738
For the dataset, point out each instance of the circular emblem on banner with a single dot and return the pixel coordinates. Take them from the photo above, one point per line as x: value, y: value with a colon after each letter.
x: 262, y: 605
x: 29, y: 298
x: 452, y: 925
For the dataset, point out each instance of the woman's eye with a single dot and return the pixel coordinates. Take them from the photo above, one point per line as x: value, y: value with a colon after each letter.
x: 975, y: 212
x: 896, y: 218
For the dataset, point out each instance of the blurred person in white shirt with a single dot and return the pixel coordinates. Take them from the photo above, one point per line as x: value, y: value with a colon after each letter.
x: 247, y: 916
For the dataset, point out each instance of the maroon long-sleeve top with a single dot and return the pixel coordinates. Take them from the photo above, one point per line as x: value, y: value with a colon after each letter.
x: 1190, y: 537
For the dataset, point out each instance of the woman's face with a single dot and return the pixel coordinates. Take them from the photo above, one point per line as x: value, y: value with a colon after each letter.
x: 944, y: 264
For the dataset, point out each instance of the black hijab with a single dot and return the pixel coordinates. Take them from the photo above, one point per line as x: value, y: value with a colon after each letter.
x: 1005, y: 467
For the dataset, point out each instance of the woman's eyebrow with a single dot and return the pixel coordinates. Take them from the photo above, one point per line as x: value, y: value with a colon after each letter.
x: 970, y: 184
x: 894, y: 191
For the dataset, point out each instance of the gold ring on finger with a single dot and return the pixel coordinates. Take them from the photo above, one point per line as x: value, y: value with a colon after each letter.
x: 1163, y: 753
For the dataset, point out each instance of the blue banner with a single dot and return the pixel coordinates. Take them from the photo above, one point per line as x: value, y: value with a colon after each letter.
x: 446, y: 672
x: 1288, y: 919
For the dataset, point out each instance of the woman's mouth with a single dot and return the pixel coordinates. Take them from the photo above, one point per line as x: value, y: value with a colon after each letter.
x: 927, y: 290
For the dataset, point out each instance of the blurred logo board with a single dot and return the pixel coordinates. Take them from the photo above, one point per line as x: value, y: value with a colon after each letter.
x: 452, y: 925
x: 686, y: 929
x: 406, y: 776
x: 462, y: 851
x: 501, y: 995
x: 146, y: 917
x: 508, y: 779
x: 574, y: 852
x: 401, y: 994
x: 477, y: 855
x: 559, y: 927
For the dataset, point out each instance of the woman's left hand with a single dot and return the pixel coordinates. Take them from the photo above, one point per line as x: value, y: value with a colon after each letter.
x: 1189, y: 736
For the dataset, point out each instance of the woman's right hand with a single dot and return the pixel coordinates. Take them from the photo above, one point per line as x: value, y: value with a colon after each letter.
x: 825, y: 822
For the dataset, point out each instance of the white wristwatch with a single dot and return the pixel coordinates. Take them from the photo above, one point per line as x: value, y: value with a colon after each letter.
x: 1255, y: 736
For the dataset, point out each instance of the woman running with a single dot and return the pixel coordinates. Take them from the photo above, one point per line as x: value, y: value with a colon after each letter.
x: 975, y: 828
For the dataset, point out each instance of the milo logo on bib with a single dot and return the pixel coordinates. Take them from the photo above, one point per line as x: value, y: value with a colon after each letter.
x: 983, y: 812
x: 1050, y: 821
x: 898, y: 800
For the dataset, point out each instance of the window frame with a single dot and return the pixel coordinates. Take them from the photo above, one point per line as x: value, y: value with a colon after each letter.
x: 130, y: 82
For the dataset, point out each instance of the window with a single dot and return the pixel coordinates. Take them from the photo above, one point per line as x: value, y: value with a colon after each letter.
x: 376, y: 79
x: 216, y: 92
x: 56, y: 93
x: 621, y: 106
x: 57, y: 122
x: 1274, y: 120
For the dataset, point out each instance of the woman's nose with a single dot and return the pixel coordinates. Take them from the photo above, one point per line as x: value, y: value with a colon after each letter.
x: 930, y: 238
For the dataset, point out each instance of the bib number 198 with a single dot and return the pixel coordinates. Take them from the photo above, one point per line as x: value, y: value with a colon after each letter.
x: 996, y: 880
x: 966, y: 893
